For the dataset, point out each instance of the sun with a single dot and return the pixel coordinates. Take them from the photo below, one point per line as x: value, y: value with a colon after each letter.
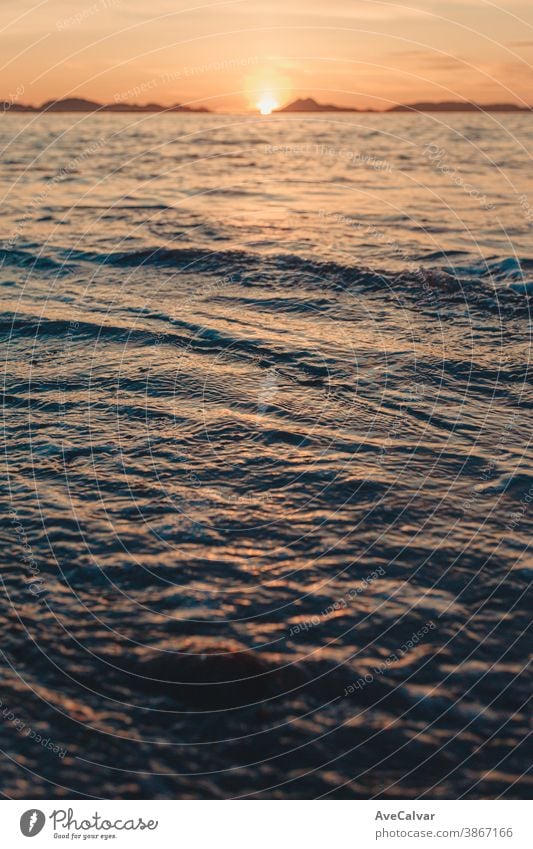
x: 266, y: 104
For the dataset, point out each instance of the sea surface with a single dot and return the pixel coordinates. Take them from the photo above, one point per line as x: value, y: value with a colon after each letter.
x: 267, y: 421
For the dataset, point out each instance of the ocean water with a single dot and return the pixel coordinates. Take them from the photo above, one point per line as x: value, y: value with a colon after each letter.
x: 267, y: 421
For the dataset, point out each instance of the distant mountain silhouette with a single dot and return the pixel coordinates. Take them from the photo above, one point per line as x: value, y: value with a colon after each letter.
x: 79, y: 104
x: 308, y: 104
x: 70, y: 104
x: 151, y: 107
x: 459, y: 106
x: 9, y: 106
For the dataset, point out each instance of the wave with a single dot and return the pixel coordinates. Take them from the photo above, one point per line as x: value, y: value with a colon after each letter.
x: 435, y: 286
x: 431, y: 285
x: 36, y: 262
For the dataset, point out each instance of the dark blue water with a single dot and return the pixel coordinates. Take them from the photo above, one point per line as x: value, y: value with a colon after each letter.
x: 267, y: 420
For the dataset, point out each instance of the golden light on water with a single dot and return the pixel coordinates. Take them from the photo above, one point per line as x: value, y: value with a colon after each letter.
x: 267, y: 103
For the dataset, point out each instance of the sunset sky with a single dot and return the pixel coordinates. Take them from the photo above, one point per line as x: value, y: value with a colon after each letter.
x: 228, y: 55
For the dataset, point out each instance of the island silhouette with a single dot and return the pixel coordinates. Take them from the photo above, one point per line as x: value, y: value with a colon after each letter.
x: 80, y: 104
x: 309, y: 104
x: 301, y: 105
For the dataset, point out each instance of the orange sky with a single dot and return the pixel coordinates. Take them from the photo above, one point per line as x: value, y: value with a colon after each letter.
x: 227, y: 55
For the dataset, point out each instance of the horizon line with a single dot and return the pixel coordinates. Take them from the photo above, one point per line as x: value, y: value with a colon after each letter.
x: 300, y: 105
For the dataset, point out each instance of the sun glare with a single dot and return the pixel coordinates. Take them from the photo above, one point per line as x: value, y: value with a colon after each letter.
x: 267, y: 104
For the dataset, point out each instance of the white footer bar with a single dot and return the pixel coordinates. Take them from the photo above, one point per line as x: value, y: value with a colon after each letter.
x: 266, y: 824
